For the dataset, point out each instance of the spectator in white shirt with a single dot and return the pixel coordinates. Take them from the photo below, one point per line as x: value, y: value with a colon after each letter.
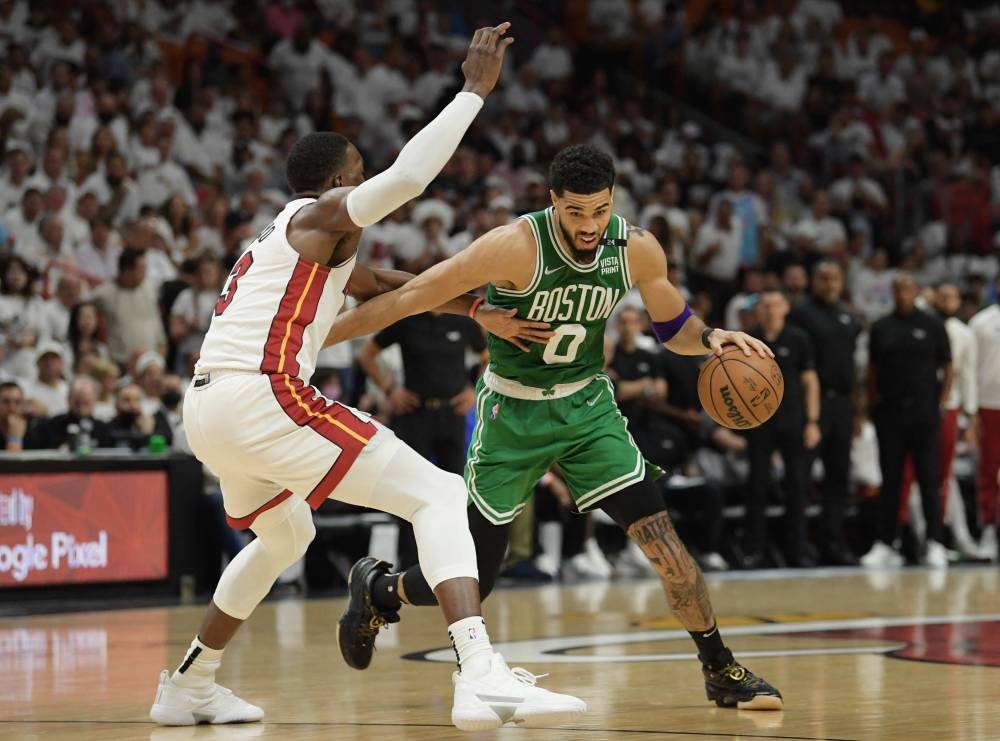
x: 715, y: 259
x: 552, y: 59
x: 62, y: 79
x: 298, y: 64
x: 84, y: 329
x: 193, y: 309
x: 166, y: 177
x: 16, y: 105
x: 61, y: 43
x: 783, y: 83
x: 76, y: 223
x: 149, y: 371
x: 54, y: 172
x: 748, y: 206
x: 116, y: 191
x: 861, y: 53
x: 15, y: 177
x: 23, y: 76
x: 432, y: 84
x: 882, y: 88
x: 740, y: 69
x: 97, y: 259
x: 524, y: 96
x: 382, y: 84
x: 666, y: 202
x: 819, y: 234
x: 142, y: 153
x: 56, y: 311
x: 49, y: 387
x: 857, y: 189
x: 129, y: 307
x: 22, y: 320
x: 434, y: 218
x: 106, y: 115
x: 207, y: 18
x: 54, y: 257
x: 22, y: 223
x: 611, y: 18
x: 787, y: 205
x: 872, y: 286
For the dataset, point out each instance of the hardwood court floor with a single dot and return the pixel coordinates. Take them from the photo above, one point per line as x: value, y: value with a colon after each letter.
x: 824, y: 639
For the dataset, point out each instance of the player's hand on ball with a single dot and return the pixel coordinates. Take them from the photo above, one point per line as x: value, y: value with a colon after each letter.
x: 749, y: 345
x: 485, y: 58
x: 503, y: 323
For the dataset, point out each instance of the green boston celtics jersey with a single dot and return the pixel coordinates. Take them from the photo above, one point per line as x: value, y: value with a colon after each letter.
x: 575, y: 299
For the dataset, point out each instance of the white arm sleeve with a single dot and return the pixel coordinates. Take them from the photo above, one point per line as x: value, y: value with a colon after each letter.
x: 417, y: 165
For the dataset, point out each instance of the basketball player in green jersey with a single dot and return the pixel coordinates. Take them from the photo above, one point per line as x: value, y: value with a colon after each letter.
x: 549, y: 402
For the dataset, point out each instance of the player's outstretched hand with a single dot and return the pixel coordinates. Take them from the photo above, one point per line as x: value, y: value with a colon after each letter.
x: 504, y: 323
x: 749, y: 345
x: 485, y: 58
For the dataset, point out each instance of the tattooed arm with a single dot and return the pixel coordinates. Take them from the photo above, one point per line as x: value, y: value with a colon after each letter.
x: 683, y: 583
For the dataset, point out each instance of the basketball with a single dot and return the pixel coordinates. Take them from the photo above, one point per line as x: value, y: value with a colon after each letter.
x: 739, y: 391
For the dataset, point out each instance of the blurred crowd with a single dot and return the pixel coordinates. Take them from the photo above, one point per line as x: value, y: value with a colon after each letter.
x: 143, y: 146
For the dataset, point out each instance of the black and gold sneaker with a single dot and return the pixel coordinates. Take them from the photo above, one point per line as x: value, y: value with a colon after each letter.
x: 361, y: 621
x: 734, y: 686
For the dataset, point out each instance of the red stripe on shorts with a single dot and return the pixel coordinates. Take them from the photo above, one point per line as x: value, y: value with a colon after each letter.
x: 296, y: 310
x: 242, y: 523
x: 305, y: 406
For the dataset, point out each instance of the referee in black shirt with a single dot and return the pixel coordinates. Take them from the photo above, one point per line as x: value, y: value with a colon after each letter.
x: 429, y: 409
x: 909, y: 379
x: 834, y: 331
x: 792, y: 430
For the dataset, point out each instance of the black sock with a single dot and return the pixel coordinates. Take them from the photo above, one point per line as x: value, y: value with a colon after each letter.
x: 711, y: 650
x: 385, y: 595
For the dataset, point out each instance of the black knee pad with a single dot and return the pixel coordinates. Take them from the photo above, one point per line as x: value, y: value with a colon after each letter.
x: 633, y: 503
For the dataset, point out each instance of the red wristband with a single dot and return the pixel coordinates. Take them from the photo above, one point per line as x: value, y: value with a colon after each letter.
x: 475, y: 305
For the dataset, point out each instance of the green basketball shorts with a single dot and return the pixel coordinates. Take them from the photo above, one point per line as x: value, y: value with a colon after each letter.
x: 516, y: 441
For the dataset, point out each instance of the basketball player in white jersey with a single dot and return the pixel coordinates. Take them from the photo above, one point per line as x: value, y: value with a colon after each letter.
x: 279, y: 447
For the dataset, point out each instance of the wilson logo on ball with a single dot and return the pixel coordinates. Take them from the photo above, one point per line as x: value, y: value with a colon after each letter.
x: 732, y: 411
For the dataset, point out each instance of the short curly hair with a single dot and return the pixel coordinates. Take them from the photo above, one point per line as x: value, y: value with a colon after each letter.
x: 582, y: 169
x: 313, y: 159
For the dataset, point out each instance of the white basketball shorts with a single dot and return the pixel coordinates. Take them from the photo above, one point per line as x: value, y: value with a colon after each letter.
x: 270, y: 438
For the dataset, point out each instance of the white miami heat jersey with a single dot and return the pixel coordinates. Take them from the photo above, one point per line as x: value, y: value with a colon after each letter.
x: 276, y: 309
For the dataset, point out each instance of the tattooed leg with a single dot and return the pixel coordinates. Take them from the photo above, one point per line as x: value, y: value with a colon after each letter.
x: 682, y: 581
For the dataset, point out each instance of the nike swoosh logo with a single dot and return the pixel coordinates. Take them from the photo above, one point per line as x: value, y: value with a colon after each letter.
x: 594, y: 400
x: 549, y: 271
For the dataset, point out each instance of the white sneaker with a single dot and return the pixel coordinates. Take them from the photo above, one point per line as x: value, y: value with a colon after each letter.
x: 714, y: 562
x: 598, y: 561
x: 633, y: 562
x: 179, y: 706
x: 506, y: 695
x: 936, y: 556
x: 547, y: 563
x: 581, y: 566
x: 988, y: 547
x: 881, y: 556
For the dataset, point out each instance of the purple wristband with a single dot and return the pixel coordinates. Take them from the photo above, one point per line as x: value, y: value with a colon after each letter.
x: 665, y: 331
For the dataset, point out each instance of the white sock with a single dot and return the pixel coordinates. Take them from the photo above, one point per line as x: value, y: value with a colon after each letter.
x: 472, y: 645
x: 197, y: 671
x: 550, y: 537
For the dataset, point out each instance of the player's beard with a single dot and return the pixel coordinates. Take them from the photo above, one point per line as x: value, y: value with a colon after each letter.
x: 582, y: 256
